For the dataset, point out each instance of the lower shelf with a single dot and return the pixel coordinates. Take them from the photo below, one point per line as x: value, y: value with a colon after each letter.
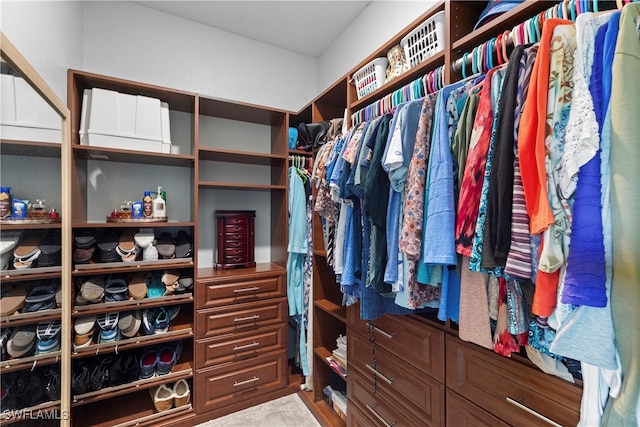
x: 126, y: 410
x: 323, y: 412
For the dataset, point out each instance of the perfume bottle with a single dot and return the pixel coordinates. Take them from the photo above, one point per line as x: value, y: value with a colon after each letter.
x: 159, y: 205
x: 38, y: 210
x: 147, y: 205
x: 5, y: 202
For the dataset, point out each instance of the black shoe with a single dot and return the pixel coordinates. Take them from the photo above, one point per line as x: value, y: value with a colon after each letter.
x: 131, y: 367
x: 53, y: 384
x: 100, y: 375
x: 80, y: 379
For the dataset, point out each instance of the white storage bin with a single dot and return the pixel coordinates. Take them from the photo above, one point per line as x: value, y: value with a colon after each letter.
x: 425, y: 41
x: 370, y: 77
x: 24, y: 114
x: 118, y: 120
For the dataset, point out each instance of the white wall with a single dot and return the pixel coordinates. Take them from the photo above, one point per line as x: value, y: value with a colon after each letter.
x: 138, y: 43
x: 48, y: 34
x: 380, y: 21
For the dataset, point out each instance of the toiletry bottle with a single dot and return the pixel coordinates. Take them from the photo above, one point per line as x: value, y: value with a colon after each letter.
x: 5, y: 202
x: 147, y: 205
x: 159, y: 207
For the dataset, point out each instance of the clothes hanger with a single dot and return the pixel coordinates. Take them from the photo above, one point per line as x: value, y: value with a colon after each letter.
x: 464, y: 65
x: 505, y: 37
x: 595, y: 6
x: 499, y: 57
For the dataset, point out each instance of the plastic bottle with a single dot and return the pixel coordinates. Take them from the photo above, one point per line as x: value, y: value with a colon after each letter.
x: 147, y: 205
x: 159, y: 205
x: 5, y: 202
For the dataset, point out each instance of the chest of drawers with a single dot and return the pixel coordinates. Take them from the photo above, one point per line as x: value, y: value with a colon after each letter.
x: 235, y: 237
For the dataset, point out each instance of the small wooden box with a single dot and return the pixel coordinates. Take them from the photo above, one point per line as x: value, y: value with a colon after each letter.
x: 236, y: 244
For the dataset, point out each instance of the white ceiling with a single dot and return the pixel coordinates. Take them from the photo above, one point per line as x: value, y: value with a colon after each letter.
x: 304, y: 26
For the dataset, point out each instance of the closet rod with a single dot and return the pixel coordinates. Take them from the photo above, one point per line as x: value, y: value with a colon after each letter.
x: 529, y: 30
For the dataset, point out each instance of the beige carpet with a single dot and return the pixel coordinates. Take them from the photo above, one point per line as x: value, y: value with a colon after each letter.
x: 287, y: 411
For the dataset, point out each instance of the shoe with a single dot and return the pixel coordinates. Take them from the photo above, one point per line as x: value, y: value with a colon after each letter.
x: 183, y: 245
x: 84, y: 328
x: 138, y: 286
x: 92, y: 290
x: 132, y: 367
x: 80, y: 379
x: 116, y: 289
x: 53, y: 384
x: 148, y: 320
x: 22, y: 341
x: 117, y: 372
x: 170, y: 281
x: 181, y: 393
x: 148, y: 363
x: 166, y: 248
x: 13, y: 299
x: 100, y: 374
x: 41, y: 297
x: 50, y: 249
x: 108, y: 323
x: 129, y: 323
x: 185, y: 283
x: 166, y: 360
x: 161, y: 321
x: 48, y: 334
x: 162, y: 397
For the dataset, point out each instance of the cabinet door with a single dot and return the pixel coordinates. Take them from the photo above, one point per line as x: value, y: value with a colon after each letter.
x: 462, y: 413
x: 513, y: 392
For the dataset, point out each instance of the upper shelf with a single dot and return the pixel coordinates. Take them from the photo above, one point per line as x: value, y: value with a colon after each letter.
x: 235, y: 156
x: 132, y: 156
x: 29, y: 148
x: 244, y: 112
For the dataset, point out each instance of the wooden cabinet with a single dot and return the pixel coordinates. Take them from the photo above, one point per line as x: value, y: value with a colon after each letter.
x: 241, y: 322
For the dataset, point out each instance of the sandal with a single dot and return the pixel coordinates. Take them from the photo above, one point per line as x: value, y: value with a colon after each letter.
x: 13, y: 299
x: 137, y: 286
x: 155, y: 287
x: 107, y: 244
x: 50, y: 249
x: 183, y: 246
x: 144, y: 238
x: 116, y: 289
x: 26, y: 252
x: 127, y: 249
x: 129, y: 323
x: 170, y: 281
x: 92, y: 290
x: 166, y: 248
x: 84, y: 239
x: 41, y: 297
x: 22, y: 341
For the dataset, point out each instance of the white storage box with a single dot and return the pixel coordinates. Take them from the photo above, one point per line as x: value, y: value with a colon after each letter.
x: 25, y: 115
x: 424, y: 41
x: 131, y: 122
x: 370, y: 77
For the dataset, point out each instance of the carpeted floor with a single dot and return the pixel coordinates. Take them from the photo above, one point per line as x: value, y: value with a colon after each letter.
x: 288, y: 411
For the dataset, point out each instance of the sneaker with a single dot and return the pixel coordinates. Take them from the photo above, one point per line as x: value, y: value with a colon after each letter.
x: 166, y: 360
x: 148, y: 363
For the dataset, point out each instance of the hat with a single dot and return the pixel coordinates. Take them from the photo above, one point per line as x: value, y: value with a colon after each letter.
x: 494, y: 9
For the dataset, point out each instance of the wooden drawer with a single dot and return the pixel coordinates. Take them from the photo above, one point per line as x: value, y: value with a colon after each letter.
x: 235, y: 237
x: 379, y: 407
x: 232, y: 228
x: 232, y: 383
x: 417, y: 392
x: 236, y: 220
x: 411, y: 340
x: 239, y: 251
x: 236, y: 244
x: 461, y: 412
x: 240, y: 346
x: 216, y: 322
x: 231, y: 291
x: 510, y: 390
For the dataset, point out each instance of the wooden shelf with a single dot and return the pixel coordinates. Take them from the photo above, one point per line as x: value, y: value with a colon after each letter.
x: 39, y: 273
x: 29, y: 318
x: 108, y: 307
x: 30, y: 226
x: 301, y: 153
x: 105, y: 224
x: 130, y: 267
x: 332, y: 308
x: 52, y: 407
x: 177, y: 332
x: 28, y: 362
x: 233, y: 156
x: 265, y: 267
x: 10, y: 147
x: 237, y: 186
x: 133, y: 156
x: 414, y: 73
x: 321, y: 410
x: 134, y: 408
x: 180, y: 371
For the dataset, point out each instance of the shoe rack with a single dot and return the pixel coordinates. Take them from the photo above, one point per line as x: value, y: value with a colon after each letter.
x: 32, y: 379
x: 102, y: 179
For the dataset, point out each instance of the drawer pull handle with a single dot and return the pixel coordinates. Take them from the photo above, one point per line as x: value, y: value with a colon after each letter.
x: 242, y: 319
x: 235, y: 229
x: 375, y: 413
x: 531, y: 411
x: 252, y: 289
x: 384, y: 378
x: 252, y: 380
x: 244, y: 347
x: 385, y: 333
